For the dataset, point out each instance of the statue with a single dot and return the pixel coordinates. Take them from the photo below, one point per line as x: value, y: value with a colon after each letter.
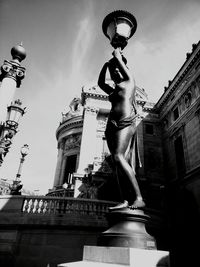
x: 121, y: 127
x: 15, y: 188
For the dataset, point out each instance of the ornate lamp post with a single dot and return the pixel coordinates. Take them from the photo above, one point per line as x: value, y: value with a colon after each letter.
x: 11, y: 75
x: 127, y: 224
x: 17, y: 186
x: 9, y: 128
x: 119, y: 26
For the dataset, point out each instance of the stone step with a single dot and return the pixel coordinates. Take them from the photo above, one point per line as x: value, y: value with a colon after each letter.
x: 121, y: 256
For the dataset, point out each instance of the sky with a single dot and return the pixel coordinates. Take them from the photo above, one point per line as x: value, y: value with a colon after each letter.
x: 66, y: 49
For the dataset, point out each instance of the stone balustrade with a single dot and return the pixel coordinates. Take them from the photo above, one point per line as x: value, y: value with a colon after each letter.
x: 57, y: 205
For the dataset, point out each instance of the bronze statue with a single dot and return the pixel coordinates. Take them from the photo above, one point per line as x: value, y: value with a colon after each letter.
x: 121, y: 126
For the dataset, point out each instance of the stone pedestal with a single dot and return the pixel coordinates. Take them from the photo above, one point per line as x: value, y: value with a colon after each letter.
x: 125, y: 243
x: 127, y: 229
x: 120, y: 257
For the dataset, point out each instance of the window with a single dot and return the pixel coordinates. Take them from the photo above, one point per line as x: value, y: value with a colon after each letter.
x: 70, y: 167
x: 180, y: 158
x: 149, y: 129
x: 176, y: 113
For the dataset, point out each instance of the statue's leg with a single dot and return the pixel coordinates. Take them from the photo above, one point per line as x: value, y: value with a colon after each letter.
x: 120, y: 142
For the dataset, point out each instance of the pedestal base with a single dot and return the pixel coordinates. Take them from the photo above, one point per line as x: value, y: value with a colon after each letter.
x: 94, y: 256
x: 127, y: 230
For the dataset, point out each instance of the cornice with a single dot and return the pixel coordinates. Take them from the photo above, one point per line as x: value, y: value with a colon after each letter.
x: 186, y: 67
x: 72, y: 122
x: 94, y: 95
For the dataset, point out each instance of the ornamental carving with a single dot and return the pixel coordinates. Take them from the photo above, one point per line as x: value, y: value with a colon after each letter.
x: 101, y: 124
x: 73, y: 141
x: 91, y: 110
x: 10, y: 69
x: 75, y: 109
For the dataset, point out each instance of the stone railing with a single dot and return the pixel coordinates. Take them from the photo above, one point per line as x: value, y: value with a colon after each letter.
x: 58, y: 205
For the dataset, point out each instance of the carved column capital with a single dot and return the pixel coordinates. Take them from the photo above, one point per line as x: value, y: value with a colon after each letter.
x: 13, y: 70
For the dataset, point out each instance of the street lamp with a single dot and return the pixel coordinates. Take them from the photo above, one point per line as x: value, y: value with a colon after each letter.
x: 9, y: 128
x: 17, y: 186
x: 119, y: 26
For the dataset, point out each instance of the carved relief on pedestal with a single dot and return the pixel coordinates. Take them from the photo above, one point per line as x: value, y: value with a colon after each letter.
x: 73, y: 141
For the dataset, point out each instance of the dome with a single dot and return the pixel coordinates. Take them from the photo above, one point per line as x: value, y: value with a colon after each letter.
x: 18, y: 52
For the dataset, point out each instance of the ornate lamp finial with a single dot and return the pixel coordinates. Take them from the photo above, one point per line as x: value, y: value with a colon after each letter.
x: 18, y: 52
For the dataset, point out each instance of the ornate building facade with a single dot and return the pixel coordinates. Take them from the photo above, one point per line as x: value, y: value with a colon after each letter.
x: 168, y: 138
x: 83, y: 151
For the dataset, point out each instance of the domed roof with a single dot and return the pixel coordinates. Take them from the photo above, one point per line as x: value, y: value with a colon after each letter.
x: 18, y: 52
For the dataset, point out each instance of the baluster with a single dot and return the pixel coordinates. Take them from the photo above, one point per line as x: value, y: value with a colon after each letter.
x: 30, y: 208
x: 45, y: 210
x: 40, y: 206
x: 82, y: 207
x: 25, y: 206
x: 65, y: 206
x: 35, y: 206
x: 51, y: 207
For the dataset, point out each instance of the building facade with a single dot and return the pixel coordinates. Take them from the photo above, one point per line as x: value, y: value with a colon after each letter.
x: 179, y: 111
x: 169, y: 145
x: 83, y: 151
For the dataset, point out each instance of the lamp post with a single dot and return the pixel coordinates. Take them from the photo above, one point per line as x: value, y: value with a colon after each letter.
x: 11, y: 75
x: 127, y: 226
x: 9, y: 128
x: 17, y: 186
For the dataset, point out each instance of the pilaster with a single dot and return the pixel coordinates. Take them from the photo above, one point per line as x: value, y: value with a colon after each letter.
x: 59, y: 163
x: 87, y: 150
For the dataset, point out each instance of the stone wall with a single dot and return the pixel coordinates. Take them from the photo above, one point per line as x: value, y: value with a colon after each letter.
x: 45, y: 231
x: 41, y: 232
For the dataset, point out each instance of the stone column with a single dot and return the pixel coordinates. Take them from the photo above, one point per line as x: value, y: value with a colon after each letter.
x: 11, y: 75
x: 59, y: 163
x: 88, y: 141
x: 62, y: 171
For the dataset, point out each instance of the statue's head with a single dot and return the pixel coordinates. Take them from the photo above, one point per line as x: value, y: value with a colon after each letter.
x: 114, y: 70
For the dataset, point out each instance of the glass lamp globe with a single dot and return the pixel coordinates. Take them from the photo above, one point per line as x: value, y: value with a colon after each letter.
x: 24, y: 150
x: 119, y: 26
x: 15, y: 112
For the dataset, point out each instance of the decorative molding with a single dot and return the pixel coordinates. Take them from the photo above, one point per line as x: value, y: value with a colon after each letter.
x: 71, y: 123
x: 101, y: 124
x: 177, y: 131
x: 182, y: 77
x: 91, y: 110
x: 73, y: 141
